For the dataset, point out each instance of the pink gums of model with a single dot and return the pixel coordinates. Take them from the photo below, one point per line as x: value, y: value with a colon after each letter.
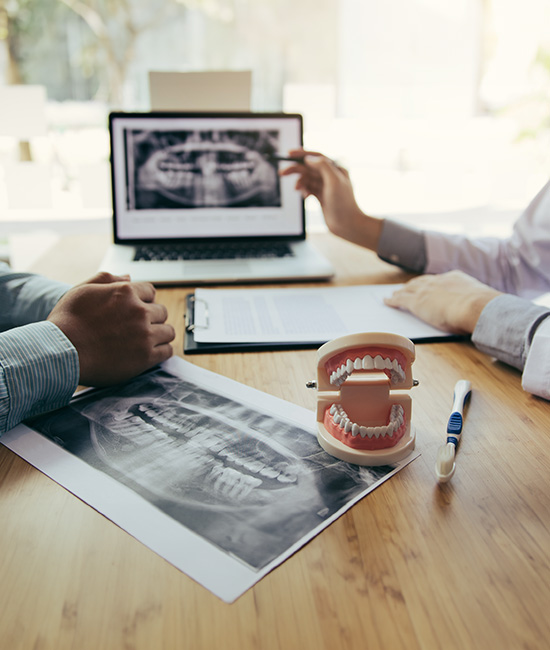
x: 362, y: 416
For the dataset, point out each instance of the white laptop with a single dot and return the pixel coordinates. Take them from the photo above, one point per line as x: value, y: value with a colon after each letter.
x: 197, y: 199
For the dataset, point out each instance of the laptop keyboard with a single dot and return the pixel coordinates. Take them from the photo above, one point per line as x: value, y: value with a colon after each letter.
x: 211, y: 251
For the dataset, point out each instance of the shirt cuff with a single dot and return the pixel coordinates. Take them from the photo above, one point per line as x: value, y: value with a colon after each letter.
x: 506, y: 328
x: 39, y: 372
x: 536, y: 374
x: 403, y: 246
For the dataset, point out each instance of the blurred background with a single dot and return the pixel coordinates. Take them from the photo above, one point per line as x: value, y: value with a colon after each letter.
x: 440, y: 109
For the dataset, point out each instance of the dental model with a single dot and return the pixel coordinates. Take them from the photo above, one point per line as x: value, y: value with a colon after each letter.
x: 361, y: 418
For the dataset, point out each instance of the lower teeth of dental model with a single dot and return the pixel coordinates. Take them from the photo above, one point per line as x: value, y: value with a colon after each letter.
x: 340, y: 417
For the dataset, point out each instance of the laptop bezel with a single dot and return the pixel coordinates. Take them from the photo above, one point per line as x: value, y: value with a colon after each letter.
x: 114, y: 115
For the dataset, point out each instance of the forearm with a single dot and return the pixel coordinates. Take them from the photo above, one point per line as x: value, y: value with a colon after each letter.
x: 517, y: 332
x: 39, y: 371
x: 362, y: 230
x: 26, y: 298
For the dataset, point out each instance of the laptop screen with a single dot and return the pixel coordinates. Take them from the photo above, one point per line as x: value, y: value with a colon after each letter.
x: 182, y: 176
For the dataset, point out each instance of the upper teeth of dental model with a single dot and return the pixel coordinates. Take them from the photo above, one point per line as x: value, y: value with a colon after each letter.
x: 397, y: 374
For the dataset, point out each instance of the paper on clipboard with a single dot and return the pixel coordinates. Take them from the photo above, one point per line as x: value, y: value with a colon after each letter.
x: 301, y: 315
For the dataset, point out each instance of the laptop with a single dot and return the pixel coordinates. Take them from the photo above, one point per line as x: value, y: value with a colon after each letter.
x: 197, y: 199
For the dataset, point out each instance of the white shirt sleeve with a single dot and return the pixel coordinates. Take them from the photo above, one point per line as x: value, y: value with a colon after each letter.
x: 517, y: 331
x: 536, y: 374
x: 519, y: 265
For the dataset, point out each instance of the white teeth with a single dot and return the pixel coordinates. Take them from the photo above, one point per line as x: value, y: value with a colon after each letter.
x: 253, y: 466
x: 285, y: 478
x: 269, y: 472
x: 339, y: 376
x: 341, y: 419
x: 218, y: 445
x: 232, y: 483
x: 368, y: 363
x: 233, y: 474
x: 209, y: 442
x: 379, y: 363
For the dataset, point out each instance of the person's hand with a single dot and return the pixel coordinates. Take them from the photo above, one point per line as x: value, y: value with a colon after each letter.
x: 116, y: 327
x: 451, y: 301
x: 331, y: 185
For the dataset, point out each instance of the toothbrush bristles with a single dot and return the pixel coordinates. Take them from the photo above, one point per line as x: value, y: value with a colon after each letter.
x: 445, y: 461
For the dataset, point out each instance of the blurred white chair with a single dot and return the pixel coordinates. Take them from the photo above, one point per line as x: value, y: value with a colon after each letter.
x: 23, y: 117
x: 22, y: 111
x: 211, y: 90
x: 28, y: 185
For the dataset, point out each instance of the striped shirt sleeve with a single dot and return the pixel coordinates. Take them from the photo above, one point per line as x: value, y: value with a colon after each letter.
x: 39, y: 371
x: 26, y: 297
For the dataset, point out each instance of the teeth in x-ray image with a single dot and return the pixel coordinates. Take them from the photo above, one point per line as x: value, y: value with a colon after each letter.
x: 235, y: 473
x: 184, y: 453
x: 199, y: 169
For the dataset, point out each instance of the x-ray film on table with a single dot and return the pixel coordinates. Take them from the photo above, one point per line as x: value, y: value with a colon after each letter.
x: 223, y: 481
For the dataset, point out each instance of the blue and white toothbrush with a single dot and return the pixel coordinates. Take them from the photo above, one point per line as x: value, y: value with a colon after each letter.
x: 445, y: 464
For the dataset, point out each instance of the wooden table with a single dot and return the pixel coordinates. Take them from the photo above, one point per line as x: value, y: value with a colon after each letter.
x: 413, y: 565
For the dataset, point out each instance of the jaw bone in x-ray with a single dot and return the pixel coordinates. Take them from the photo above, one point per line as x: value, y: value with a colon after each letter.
x: 244, y: 478
x: 185, y: 453
x: 198, y: 169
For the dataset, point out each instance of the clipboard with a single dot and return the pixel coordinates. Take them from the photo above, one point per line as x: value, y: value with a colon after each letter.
x: 190, y: 346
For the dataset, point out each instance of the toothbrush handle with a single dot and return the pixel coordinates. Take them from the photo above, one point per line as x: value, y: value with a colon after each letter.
x: 463, y: 390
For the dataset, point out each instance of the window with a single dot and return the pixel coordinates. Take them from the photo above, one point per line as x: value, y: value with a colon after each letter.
x: 439, y: 109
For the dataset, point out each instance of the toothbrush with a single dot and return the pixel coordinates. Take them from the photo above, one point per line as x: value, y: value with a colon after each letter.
x: 445, y: 464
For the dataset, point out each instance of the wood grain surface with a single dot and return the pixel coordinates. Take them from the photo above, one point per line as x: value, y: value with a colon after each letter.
x: 413, y: 565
